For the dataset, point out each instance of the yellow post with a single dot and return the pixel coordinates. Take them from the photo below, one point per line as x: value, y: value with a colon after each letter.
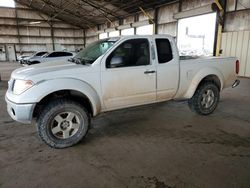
x: 219, y: 31
x: 218, y: 46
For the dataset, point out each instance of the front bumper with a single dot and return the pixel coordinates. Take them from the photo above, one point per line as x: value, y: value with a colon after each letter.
x: 20, y: 112
x: 236, y: 83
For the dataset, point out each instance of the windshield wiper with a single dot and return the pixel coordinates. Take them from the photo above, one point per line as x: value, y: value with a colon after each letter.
x: 71, y: 60
x: 77, y: 60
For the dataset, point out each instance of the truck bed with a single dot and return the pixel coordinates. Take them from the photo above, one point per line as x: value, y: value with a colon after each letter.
x: 191, y: 68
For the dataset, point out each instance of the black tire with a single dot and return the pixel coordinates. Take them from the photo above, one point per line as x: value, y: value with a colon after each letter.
x: 205, y: 99
x: 56, y: 134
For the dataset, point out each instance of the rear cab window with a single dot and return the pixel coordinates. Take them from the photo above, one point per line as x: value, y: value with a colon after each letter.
x: 164, y: 50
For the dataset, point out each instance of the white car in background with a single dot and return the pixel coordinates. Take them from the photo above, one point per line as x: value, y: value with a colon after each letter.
x: 21, y: 57
x: 24, y: 60
x: 53, y: 56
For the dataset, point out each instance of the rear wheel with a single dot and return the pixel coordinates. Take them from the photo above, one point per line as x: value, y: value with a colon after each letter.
x: 205, y: 99
x: 63, y: 123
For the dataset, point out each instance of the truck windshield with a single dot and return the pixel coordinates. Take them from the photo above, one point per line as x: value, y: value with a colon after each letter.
x: 89, y: 54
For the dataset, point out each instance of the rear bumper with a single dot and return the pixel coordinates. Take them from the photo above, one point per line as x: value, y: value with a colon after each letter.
x: 20, y: 112
x: 236, y: 83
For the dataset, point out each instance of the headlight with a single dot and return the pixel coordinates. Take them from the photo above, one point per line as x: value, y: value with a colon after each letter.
x: 21, y: 86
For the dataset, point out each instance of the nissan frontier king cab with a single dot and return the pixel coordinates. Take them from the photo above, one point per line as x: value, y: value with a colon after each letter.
x: 110, y: 74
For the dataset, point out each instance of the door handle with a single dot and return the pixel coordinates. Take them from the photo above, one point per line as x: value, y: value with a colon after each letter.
x: 149, y: 72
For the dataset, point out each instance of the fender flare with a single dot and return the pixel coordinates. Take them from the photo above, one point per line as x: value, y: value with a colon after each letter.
x: 40, y: 90
x: 199, y: 76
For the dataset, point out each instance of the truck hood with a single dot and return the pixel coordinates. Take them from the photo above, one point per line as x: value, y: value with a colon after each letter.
x: 43, y: 68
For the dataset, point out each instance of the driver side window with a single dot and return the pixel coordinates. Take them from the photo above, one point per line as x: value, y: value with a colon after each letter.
x: 134, y: 52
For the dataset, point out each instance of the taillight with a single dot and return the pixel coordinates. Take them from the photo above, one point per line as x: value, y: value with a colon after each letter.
x: 237, y: 67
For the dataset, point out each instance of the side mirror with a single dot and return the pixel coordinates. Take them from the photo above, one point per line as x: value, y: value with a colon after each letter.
x: 116, y: 61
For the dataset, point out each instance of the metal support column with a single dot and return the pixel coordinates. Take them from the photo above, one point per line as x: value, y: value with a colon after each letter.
x: 84, y: 38
x: 52, y: 35
x: 18, y: 33
x: 156, y: 13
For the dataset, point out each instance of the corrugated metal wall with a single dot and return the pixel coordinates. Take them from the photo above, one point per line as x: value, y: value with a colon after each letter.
x: 166, y: 22
x: 237, y: 44
x: 16, y: 29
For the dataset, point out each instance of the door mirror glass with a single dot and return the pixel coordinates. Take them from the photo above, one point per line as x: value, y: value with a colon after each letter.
x: 116, y: 61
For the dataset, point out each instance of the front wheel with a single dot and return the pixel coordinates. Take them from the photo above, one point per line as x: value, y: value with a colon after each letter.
x: 205, y: 99
x: 63, y: 123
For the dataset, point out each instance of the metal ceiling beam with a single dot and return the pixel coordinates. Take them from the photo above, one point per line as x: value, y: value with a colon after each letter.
x: 106, y: 17
x: 69, y: 12
x: 91, y: 12
x: 89, y: 23
x: 30, y: 2
x: 100, y: 8
x: 43, y: 6
x: 65, y: 5
x: 131, y: 6
x: 38, y: 10
x: 88, y: 13
x: 120, y: 5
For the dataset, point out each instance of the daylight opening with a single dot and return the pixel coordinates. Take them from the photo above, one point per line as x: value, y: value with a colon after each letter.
x: 145, y: 30
x: 103, y: 35
x: 196, y: 35
x: 7, y: 3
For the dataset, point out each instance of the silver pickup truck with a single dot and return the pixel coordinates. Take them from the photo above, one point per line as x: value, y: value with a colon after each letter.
x: 112, y: 74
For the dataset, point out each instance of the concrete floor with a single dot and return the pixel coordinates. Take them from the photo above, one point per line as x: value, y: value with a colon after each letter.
x: 156, y: 146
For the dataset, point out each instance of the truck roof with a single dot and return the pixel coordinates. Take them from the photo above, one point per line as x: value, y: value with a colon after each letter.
x: 138, y: 36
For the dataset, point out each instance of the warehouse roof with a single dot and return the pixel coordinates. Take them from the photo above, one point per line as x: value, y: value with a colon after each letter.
x: 89, y: 13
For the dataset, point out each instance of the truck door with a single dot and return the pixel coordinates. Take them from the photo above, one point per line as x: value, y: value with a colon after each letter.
x: 128, y: 76
x: 167, y: 69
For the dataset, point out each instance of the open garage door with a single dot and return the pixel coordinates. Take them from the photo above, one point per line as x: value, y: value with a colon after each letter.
x: 196, y: 35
